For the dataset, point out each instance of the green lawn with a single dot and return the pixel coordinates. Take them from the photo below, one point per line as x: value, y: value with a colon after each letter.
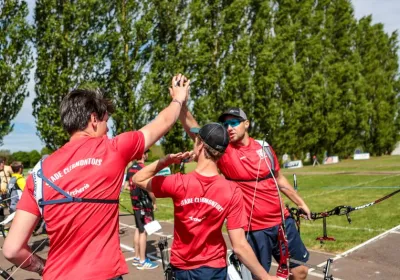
x: 323, y: 187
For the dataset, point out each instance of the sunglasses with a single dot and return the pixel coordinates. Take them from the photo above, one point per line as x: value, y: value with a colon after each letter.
x: 232, y: 123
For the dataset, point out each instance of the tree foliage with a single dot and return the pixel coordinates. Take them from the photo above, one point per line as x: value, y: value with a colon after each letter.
x: 309, y: 75
x: 70, y: 49
x: 15, y: 61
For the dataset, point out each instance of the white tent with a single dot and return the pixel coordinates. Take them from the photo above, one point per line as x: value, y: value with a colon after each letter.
x: 396, y: 151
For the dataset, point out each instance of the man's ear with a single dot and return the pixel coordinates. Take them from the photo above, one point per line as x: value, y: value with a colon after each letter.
x: 94, y: 121
x: 246, y: 124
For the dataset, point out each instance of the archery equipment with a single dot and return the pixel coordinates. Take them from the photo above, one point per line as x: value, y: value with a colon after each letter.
x: 5, y: 275
x: 163, y: 246
x: 283, y: 268
x: 337, y: 211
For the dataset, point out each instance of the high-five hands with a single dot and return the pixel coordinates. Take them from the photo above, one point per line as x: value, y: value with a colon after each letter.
x: 177, y: 158
x: 179, y: 89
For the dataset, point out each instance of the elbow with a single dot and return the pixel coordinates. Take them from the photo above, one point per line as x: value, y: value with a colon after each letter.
x: 136, y: 181
x: 239, y: 249
x: 10, y: 251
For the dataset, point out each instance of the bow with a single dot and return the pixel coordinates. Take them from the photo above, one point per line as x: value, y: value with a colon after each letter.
x: 337, y: 211
x: 283, y: 268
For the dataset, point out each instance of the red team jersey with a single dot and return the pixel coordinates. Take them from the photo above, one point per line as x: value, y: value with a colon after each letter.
x: 201, y: 204
x: 84, y: 236
x: 242, y: 163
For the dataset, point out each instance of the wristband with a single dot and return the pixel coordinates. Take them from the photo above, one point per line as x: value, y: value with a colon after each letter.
x: 177, y: 101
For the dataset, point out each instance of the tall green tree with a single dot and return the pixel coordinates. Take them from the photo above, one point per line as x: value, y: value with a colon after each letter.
x: 167, y: 59
x: 128, y: 41
x: 15, y: 61
x: 379, y: 58
x: 70, y: 44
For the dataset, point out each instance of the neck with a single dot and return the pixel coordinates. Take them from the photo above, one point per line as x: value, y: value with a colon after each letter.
x: 79, y: 134
x: 206, y: 167
x: 140, y: 161
x: 245, y: 141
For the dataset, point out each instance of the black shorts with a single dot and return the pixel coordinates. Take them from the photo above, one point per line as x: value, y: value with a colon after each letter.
x: 203, y: 272
x: 140, y: 219
x: 265, y: 244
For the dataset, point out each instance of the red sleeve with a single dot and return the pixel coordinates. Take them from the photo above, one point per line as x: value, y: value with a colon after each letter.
x: 130, y: 145
x: 28, y: 202
x: 237, y: 214
x: 167, y: 186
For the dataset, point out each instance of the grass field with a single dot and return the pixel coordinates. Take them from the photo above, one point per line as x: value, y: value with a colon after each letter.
x: 323, y: 187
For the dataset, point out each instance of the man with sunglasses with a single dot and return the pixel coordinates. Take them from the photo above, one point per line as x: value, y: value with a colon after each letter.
x: 248, y: 164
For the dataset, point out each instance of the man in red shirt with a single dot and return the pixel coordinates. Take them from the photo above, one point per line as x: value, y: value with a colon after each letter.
x: 86, y: 172
x: 202, y: 201
x: 247, y: 165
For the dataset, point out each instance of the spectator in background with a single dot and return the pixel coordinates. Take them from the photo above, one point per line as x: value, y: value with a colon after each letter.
x: 16, y: 184
x: 5, y: 176
x: 143, y: 205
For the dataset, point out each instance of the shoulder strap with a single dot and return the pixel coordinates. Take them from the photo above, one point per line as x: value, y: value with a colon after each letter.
x: 38, y: 185
x: 269, y: 154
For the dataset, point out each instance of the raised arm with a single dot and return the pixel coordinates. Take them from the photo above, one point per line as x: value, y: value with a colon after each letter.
x: 166, y: 118
x: 143, y: 177
x: 188, y: 121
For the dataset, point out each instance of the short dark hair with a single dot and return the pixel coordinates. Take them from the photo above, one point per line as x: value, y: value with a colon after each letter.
x: 16, y: 165
x: 2, y: 160
x: 77, y: 106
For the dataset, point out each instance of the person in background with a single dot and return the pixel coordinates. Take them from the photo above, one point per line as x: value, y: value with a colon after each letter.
x: 143, y: 205
x: 5, y: 176
x: 16, y: 185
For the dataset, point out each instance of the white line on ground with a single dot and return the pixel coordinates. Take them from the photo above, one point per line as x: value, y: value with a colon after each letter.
x: 366, y: 243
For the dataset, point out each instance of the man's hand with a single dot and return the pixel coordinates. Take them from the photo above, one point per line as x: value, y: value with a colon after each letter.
x: 154, y: 207
x: 307, y: 213
x: 176, y: 158
x: 179, y: 89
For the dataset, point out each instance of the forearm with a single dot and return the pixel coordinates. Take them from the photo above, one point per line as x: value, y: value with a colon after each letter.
x: 143, y: 176
x: 27, y: 261
x: 169, y: 115
x: 288, y: 190
x: 153, y: 197
x: 246, y: 256
x: 188, y: 121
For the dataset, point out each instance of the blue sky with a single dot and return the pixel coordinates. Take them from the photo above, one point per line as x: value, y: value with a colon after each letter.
x: 24, y: 137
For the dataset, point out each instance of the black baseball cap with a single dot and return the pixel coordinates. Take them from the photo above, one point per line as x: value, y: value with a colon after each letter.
x: 233, y: 111
x: 214, y: 135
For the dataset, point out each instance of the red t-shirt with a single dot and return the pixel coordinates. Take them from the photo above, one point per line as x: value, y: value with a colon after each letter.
x: 201, y: 204
x: 242, y: 163
x: 84, y: 240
